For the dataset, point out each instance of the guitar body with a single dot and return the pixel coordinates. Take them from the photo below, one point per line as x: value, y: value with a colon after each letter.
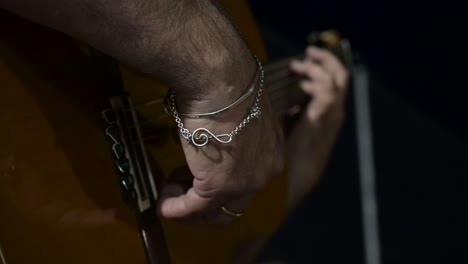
x: 60, y: 197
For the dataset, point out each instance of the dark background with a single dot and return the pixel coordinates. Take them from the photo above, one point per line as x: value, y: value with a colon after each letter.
x: 416, y: 53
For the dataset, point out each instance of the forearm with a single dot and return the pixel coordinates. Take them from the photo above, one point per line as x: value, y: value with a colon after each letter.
x: 190, y: 45
x: 309, y: 151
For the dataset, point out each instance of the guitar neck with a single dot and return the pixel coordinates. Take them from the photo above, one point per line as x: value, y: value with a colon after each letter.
x: 283, y: 88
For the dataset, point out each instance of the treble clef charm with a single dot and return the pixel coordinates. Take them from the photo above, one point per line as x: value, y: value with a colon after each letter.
x: 201, y: 137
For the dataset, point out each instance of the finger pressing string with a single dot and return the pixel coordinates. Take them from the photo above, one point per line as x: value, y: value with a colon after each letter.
x: 330, y: 63
x: 323, y: 100
x: 313, y: 72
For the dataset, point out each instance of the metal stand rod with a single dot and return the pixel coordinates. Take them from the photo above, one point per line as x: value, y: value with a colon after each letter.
x: 366, y: 166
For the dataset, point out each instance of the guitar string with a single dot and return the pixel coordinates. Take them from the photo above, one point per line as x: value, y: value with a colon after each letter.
x: 281, y: 76
x: 277, y: 95
x: 277, y: 83
x: 271, y: 69
x: 276, y: 92
x: 280, y: 106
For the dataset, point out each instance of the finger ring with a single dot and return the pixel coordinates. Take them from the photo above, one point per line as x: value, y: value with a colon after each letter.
x: 230, y: 213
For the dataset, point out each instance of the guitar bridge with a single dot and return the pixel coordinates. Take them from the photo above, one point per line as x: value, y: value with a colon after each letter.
x: 129, y: 153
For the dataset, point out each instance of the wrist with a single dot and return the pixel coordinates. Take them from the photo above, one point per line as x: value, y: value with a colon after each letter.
x: 226, y: 115
x: 227, y: 81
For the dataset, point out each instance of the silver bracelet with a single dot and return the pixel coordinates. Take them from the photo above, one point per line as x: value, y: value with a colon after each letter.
x: 236, y: 102
x: 201, y: 136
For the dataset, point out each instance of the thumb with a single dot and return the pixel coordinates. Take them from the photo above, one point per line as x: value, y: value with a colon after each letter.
x: 176, y: 204
x: 178, y: 199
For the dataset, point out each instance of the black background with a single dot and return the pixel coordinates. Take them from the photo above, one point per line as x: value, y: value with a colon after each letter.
x: 416, y: 53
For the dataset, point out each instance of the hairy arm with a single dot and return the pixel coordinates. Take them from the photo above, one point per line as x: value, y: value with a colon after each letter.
x: 190, y: 45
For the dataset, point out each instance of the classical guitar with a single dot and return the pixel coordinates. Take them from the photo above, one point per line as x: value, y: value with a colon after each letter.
x: 60, y: 198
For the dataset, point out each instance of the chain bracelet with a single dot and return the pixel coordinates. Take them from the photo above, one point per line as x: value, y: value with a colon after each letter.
x: 201, y: 136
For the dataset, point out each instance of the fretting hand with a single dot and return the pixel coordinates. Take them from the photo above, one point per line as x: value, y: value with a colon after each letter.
x: 314, y: 136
